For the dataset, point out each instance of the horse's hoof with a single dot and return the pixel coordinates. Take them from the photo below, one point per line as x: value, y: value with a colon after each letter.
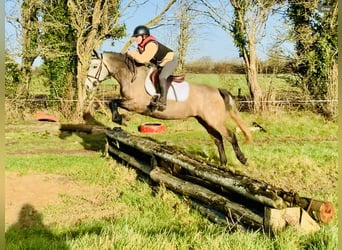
x: 161, y: 107
x: 157, y: 106
x: 117, y: 120
x: 152, y: 106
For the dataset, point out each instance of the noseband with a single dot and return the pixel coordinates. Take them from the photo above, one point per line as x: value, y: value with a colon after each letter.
x: 98, y: 73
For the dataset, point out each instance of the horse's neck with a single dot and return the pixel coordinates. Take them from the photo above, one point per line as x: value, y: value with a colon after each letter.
x: 133, y: 85
x: 130, y: 76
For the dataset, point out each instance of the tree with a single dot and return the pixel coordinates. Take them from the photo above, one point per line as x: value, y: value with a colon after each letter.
x: 315, y: 36
x: 57, y: 49
x: 12, y: 76
x: 185, y: 34
x: 155, y: 20
x: 30, y: 32
x: 92, y: 21
x: 246, y: 28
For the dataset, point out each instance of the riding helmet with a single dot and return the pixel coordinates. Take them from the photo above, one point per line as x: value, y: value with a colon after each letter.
x: 141, y: 30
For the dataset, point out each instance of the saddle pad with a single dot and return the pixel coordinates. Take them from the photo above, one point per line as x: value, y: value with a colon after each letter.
x: 177, y: 91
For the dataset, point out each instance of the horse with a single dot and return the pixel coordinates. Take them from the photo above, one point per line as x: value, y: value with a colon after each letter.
x: 208, y: 105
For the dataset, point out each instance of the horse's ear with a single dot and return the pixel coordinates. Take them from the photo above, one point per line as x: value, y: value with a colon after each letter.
x: 95, y: 54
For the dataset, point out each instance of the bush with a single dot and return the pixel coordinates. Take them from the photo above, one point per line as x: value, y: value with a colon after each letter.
x: 12, y: 77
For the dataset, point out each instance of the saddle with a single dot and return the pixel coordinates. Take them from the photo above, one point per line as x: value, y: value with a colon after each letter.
x: 154, y: 77
x: 178, y: 91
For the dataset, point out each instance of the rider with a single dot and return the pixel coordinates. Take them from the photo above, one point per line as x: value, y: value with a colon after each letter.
x: 152, y: 51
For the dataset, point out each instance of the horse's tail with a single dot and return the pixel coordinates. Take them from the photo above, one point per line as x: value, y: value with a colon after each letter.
x: 234, y: 113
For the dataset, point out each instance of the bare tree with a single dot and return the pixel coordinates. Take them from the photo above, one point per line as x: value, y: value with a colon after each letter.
x: 150, y: 23
x: 246, y: 28
x: 186, y: 17
x: 13, y: 28
x: 93, y: 20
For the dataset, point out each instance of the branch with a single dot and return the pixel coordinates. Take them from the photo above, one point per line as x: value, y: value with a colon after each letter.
x: 150, y: 23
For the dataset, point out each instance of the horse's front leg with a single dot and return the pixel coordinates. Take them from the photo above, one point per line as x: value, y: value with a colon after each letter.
x: 116, y: 116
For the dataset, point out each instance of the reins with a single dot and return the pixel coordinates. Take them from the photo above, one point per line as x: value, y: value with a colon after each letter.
x: 131, y: 65
x: 98, y: 73
x: 128, y: 60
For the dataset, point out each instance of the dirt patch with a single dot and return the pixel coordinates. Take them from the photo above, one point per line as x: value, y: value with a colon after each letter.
x: 37, y: 190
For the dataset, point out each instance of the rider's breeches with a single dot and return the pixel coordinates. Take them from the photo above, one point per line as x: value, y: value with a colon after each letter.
x: 165, y: 72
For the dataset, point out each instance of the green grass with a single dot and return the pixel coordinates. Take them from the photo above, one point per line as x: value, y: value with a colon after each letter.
x: 129, y: 212
x: 233, y: 82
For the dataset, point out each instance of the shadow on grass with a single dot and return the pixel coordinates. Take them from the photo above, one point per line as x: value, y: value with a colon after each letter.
x: 29, y: 232
x: 91, y: 132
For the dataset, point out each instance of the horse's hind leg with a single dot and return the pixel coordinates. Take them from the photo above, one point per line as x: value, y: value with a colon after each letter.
x: 218, y: 139
x: 116, y: 116
x: 232, y: 139
x: 220, y: 132
x: 220, y: 146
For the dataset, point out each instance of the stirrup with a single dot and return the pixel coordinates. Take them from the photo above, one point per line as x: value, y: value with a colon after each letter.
x: 161, y: 106
x: 155, y: 104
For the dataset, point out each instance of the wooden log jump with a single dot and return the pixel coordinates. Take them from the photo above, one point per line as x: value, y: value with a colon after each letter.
x: 243, y: 201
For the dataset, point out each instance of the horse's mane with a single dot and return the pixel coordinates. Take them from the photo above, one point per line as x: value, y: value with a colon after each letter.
x: 130, y: 63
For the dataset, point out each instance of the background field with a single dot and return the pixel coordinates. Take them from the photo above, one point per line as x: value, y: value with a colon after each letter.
x: 107, y: 205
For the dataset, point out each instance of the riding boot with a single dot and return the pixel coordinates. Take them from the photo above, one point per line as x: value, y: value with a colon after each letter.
x: 161, y: 103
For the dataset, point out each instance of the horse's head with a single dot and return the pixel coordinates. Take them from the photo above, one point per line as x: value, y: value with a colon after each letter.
x: 97, y: 72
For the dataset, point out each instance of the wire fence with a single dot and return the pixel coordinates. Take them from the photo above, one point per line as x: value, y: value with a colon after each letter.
x: 16, y: 107
x: 291, y: 102
x: 104, y: 100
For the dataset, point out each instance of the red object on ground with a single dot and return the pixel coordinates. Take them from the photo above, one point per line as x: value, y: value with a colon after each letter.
x: 152, y: 128
x: 41, y: 116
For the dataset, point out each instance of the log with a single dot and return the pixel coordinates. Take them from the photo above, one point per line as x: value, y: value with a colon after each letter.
x: 235, y: 216
x: 185, y: 174
x: 277, y: 219
x: 242, y: 185
x: 142, y: 166
x: 235, y: 213
x: 321, y: 211
x: 215, y: 216
x: 86, y: 128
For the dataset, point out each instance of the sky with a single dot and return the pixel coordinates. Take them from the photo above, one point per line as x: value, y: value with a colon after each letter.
x: 211, y: 41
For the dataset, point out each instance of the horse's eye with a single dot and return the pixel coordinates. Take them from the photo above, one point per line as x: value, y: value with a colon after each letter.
x: 95, y: 66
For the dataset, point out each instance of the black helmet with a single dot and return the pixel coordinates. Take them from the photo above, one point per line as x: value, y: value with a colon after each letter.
x: 141, y: 30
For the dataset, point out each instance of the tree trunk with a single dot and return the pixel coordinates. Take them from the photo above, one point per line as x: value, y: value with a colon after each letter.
x: 81, y: 91
x: 332, y: 95
x: 185, y: 19
x: 29, y: 23
x: 251, y: 76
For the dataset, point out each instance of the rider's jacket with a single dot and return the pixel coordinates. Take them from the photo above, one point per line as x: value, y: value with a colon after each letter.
x: 150, y: 50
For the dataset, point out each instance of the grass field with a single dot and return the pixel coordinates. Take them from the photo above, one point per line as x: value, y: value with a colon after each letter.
x: 121, y: 209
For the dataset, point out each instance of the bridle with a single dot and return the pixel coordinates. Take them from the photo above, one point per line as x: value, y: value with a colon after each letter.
x: 98, y: 73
